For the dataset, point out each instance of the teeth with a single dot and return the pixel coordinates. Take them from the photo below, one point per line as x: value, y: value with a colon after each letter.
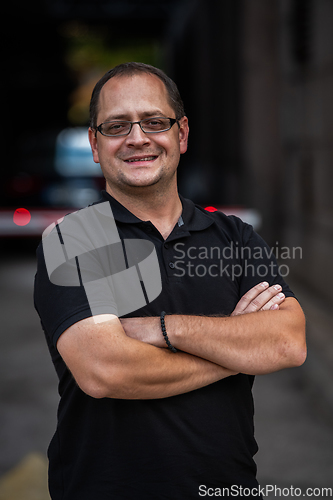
x: 148, y: 158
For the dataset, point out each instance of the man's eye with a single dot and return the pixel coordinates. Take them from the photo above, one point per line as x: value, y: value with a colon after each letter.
x: 115, y: 128
x: 156, y: 123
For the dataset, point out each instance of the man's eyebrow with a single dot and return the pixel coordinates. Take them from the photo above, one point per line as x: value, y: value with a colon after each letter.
x: 126, y: 116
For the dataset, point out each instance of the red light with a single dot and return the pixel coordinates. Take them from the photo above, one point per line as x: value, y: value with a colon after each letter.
x: 21, y: 217
x: 211, y: 209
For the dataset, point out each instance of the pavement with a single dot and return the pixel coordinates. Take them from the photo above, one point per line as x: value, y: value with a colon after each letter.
x: 294, y: 407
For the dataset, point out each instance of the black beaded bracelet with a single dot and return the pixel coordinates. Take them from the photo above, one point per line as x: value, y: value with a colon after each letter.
x: 165, y: 335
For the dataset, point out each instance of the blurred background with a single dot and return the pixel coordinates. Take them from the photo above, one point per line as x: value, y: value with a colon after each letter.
x: 260, y: 73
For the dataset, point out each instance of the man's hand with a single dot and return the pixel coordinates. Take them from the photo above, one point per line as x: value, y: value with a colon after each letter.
x: 261, y: 297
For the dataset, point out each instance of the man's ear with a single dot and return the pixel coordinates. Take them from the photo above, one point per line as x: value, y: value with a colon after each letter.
x: 183, y: 134
x: 93, y: 144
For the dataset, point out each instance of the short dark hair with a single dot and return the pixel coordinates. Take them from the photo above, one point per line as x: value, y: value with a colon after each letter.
x: 129, y: 69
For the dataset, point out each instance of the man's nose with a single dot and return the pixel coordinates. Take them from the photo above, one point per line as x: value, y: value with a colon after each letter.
x: 137, y: 136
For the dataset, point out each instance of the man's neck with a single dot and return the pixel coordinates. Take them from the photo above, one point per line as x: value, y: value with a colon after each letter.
x: 162, y: 209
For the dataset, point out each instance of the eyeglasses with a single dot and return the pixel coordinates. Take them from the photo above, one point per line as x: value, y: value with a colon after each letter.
x: 148, y: 126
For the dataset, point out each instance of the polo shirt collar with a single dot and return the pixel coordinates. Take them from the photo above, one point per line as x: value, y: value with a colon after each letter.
x: 120, y: 213
x: 194, y: 218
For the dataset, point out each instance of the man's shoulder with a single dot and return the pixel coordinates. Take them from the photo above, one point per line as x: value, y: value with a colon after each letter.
x: 217, y: 220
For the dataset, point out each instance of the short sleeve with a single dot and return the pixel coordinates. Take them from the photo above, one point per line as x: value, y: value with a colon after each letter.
x: 58, y: 307
x: 68, y: 290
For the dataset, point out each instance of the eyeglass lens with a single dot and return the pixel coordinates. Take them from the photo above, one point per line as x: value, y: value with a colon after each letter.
x: 148, y: 125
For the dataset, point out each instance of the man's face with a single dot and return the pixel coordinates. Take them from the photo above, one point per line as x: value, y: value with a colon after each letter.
x: 138, y: 159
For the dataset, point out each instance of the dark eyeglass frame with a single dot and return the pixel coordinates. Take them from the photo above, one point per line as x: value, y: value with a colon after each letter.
x: 172, y: 121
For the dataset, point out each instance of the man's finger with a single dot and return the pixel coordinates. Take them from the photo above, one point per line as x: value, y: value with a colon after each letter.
x: 276, y: 300
x: 249, y: 296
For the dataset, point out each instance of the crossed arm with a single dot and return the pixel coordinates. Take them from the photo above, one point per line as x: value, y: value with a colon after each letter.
x: 126, y: 359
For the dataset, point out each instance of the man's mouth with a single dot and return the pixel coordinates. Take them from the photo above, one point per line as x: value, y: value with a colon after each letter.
x: 136, y: 159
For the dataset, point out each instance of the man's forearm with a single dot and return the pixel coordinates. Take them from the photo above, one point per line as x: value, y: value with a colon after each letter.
x: 163, y: 374
x: 256, y: 343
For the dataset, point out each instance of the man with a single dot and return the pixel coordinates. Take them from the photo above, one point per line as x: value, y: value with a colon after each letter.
x: 158, y: 404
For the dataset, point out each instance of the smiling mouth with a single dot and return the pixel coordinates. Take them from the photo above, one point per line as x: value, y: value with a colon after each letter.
x: 146, y: 158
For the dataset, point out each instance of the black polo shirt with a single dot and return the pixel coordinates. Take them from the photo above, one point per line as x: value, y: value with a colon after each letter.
x: 165, y: 448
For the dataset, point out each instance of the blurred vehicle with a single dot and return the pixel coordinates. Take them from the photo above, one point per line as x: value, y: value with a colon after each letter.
x: 73, y: 181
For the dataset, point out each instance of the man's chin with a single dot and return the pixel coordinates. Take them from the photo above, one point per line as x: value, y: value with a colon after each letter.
x: 134, y: 185
x: 137, y: 186
x: 142, y: 181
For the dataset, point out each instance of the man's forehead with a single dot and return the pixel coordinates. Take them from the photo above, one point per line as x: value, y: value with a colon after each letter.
x: 142, y: 91
x: 138, y: 82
